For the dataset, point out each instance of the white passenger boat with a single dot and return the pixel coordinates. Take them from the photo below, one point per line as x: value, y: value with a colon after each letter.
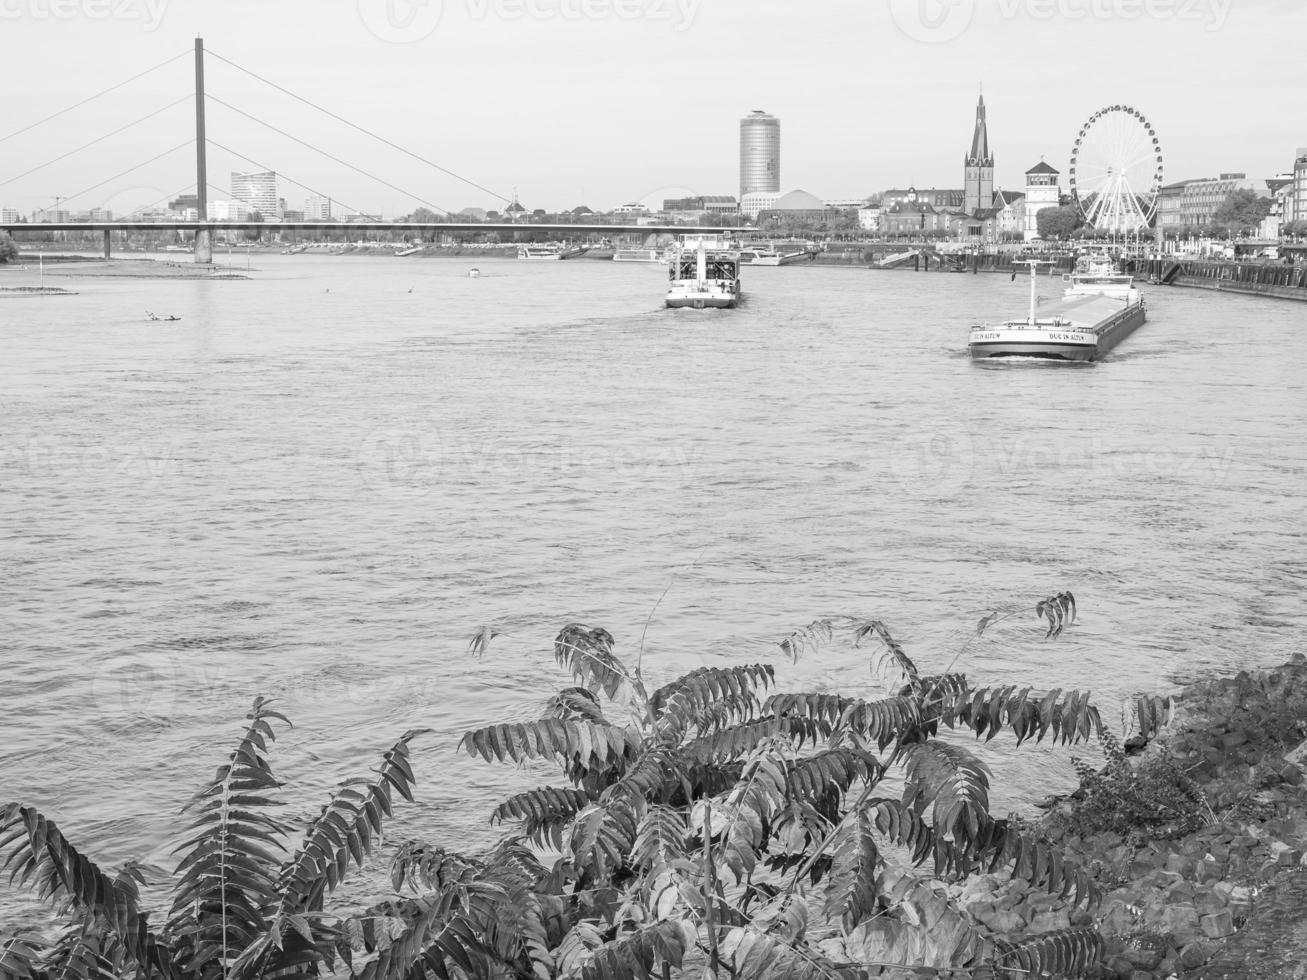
x: 776, y: 253
x: 703, y: 275
x: 637, y: 255
x: 549, y: 251
x: 1100, y: 308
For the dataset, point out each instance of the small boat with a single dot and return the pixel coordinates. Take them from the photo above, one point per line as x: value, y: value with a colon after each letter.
x: 409, y: 251
x: 548, y: 252
x: 703, y: 275
x: 474, y: 273
x: 776, y: 253
x: 1100, y: 308
x: 638, y: 255
x: 155, y: 316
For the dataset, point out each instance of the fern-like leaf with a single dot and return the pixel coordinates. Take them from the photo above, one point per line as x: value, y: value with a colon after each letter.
x: 890, y: 665
x: 38, y: 851
x: 603, y: 835
x: 582, y: 742
x: 544, y: 812
x: 1069, y: 719
x: 1059, y: 610
x: 757, y: 955
x: 1069, y: 953
x: 903, y: 826
x: 21, y: 956
x: 707, y: 686
x: 1149, y: 715
x: 638, y: 954
x: 837, y: 768
x: 950, y: 780
x: 824, y: 710
x: 851, y: 895
x: 884, y: 721
x: 229, y: 875
x: 588, y: 655
x: 809, y: 637
x: 479, y: 645
x: 575, y: 704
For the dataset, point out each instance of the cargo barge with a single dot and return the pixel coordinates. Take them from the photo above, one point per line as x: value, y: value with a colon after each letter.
x: 1100, y: 308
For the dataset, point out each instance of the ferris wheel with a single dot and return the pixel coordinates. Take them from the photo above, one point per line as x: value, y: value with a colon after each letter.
x: 1116, y: 170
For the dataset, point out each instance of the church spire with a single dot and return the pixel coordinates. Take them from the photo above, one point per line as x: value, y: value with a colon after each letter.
x: 980, y: 155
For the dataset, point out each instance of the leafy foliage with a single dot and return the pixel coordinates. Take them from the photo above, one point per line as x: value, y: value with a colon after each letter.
x: 711, y: 825
x: 240, y: 908
x: 1155, y: 795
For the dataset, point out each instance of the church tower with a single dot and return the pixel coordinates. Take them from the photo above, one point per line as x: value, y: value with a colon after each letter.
x: 978, y: 179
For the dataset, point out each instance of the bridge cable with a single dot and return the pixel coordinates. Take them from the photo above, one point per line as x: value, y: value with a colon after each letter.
x: 160, y: 156
x: 366, y: 132
x: 329, y: 156
x: 92, y: 98
x: 289, y: 179
x: 98, y: 139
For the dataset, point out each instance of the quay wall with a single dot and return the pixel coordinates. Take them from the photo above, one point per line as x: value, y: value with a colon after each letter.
x: 1249, y: 278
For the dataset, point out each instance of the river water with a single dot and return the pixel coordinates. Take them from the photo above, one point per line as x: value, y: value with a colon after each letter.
x: 321, y: 482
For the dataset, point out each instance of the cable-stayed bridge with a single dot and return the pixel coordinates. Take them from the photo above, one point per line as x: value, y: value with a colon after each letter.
x: 203, y: 227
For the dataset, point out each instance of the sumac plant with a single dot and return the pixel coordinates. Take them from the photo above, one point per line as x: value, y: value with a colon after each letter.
x: 707, y: 827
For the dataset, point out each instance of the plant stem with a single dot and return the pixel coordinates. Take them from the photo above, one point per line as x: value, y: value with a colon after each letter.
x: 710, y: 872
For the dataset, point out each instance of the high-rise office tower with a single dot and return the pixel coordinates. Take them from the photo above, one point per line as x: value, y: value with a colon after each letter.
x: 760, y: 154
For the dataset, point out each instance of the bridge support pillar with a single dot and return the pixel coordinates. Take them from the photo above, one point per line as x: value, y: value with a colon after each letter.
x: 203, y: 246
x: 107, y: 233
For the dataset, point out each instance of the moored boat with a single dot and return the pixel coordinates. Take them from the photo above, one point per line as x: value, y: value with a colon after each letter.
x: 548, y: 252
x: 703, y: 275
x: 1100, y: 308
x: 638, y: 255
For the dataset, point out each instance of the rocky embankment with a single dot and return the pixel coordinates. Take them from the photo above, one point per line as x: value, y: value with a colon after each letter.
x: 1197, y: 844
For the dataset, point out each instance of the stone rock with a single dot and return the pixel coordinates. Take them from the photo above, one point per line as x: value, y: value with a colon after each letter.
x: 1144, y: 955
x: 1218, y: 925
x: 1049, y: 920
x: 1181, y: 922
x: 1003, y: 922
x: 1195, y: 954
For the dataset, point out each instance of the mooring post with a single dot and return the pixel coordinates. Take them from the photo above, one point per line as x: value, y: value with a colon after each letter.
x: 203, y: 236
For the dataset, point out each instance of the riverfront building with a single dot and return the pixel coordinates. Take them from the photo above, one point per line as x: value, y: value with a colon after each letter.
x: 760, y: 154
x: 257, y: 191
x: 1192, y: 204
x: 317, y: 208
x: 1299, y: 195
x: 1042, y: 191
x: 9, y: 216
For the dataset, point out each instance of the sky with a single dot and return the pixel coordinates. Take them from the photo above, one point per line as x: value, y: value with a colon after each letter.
x: 604, y: 102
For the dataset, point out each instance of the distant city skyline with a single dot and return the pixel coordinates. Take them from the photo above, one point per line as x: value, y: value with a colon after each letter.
x: 625, y: 100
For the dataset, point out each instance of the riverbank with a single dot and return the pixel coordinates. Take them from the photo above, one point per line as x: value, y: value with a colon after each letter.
x: 77, y: 266
x: 1209, y: 882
